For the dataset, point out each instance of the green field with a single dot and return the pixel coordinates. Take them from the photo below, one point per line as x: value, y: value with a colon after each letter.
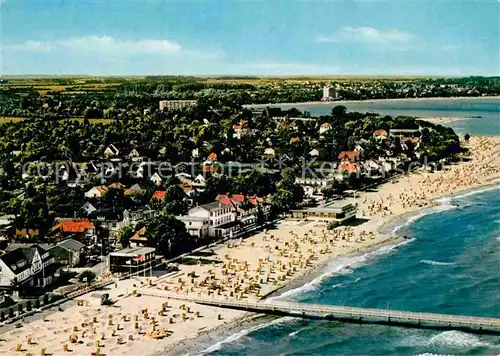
x: 8, y: 119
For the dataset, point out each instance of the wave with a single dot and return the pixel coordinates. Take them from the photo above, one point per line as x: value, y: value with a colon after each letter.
x: 445, y: 205
x: 449, y: 339
x: 437, y: 263
x: 238, y: 335
x: 340, y: 266
x: 429, y: 211
x: 468, y: 194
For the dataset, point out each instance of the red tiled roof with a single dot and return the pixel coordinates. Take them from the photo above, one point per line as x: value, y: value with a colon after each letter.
x: 238, y: 198
x: 349, y: 167
x: 72, y: 226
x: 380, y: 132
x: 283, y: 125
x: 350, y: 155
x: 325, y: 125
x: 234, y: 200
x: 212, y: 156
x: 139, y: 235
x: 159, y: 194
x: 102, y: 189
x: 116, y: 185
x: 224, y: 199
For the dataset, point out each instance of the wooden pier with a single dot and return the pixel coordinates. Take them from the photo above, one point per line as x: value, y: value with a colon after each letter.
x: 483, y: 325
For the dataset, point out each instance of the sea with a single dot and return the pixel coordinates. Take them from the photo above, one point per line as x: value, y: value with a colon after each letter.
x: 481, y: 116
x: 449, y: 264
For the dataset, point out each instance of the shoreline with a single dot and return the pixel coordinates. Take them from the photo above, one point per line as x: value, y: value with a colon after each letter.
x: 316, y: 272
x: 252, y: 320
x: 339, y: 102
x: 395, y: 200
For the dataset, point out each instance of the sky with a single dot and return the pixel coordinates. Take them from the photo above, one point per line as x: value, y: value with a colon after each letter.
x: 196, y: 37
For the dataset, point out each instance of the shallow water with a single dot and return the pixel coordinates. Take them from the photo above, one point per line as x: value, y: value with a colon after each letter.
x: 483, y: 115
x: 451, y: 265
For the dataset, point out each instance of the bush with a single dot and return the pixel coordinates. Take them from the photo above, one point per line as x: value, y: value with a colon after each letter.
x: 87, y: 276
x: 45, y: 299
x: 11, y: 313
x: 28, y: 305
x: 19, y: 309
x: 2, y: 316
x: 37, y: 303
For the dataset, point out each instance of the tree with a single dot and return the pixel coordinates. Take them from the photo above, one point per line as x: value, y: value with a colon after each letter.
x: 11, y: 312
x: 2, y: 316
x: 287, y: 192
x: 175, y: 201
x: 19, y: 309
x: 37, y: 303
x: 168, y: 235
x: 125, y: 234
x: 14, y: 284
x: 28, y: 305
x: 87, y: 276
x: 338, y: 111
x: 45, y: 299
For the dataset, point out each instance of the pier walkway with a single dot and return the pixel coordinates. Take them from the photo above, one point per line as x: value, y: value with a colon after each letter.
x: 475, y: 324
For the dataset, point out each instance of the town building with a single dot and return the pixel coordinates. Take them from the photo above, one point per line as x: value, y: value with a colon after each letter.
x: 175, y: 104
x: 131, y: 259
x: 96, y: 192
x: 80, y: 229
x: 68, y: 252
x: 338, y: 211
x: 30, y: 266
x: 221, y: 218
x: 196, y: 226
x: 111, y: 151
x: 349, y: 156
x: 245, y: 209
x: 329, y: 93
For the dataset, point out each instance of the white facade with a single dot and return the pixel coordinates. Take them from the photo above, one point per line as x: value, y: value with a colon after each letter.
x: 24, y: 274
x: 88, y: 208
x: 324, y: 128
x: 95, y: 193
x: 329, y: 93
x: 217, y: 215
x: 314, y: 153
x: 269, y: 152
x: 315, y: 182
x: 175, y: 104
x: 195, y: 225
x: 156, y: 179
x: 111, y: 151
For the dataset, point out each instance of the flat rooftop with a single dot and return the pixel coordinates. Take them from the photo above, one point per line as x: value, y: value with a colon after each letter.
x: 133, y: 251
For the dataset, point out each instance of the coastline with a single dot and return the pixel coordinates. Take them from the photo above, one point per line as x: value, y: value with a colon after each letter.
x: 340, y: 102
x: 251, y: 321
x: 384, y: 228
x: 387, y: 204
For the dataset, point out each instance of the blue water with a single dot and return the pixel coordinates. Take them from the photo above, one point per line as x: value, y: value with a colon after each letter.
x: 451, y: 265
x: 482, y: 115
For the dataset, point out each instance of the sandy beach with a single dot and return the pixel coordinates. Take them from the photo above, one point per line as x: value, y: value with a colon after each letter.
x: 139, y: 324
